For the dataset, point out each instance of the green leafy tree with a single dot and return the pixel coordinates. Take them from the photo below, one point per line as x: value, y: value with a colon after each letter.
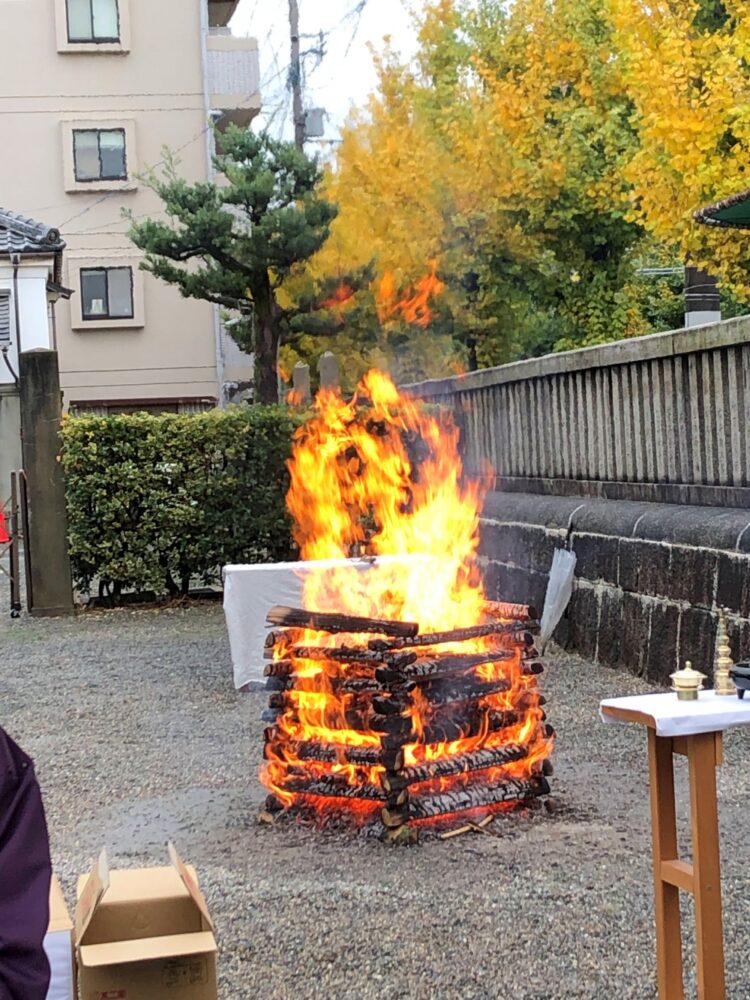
x: 237, y: 243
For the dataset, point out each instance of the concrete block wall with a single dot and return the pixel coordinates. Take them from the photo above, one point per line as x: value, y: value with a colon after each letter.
x: 649, y: 578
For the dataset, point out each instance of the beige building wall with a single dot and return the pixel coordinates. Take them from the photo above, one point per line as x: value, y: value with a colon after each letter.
x: 157, y: 85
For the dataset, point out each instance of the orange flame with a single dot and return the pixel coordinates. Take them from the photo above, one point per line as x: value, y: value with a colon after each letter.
x: 378, y: 476
x: 414, y: 305
x: 342, y: 294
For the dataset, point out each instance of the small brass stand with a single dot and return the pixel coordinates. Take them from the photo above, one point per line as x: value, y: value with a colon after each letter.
x: 723, y: 683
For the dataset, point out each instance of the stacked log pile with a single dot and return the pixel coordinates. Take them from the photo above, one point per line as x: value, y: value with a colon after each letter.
x: 398, y: 700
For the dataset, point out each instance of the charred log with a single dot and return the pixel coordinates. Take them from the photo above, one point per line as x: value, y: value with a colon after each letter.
x: 452, y: 689
x: 456, y: 726
x: 475, y: 796
x: 441, y: 664
x: 351, y: 654
x: 322, y: 621
x: 456, y: 635
x: 277, y: 683
x: 332, y: 753
x: 279, y: 668
x: 331, y: 786
x: 460, y: 763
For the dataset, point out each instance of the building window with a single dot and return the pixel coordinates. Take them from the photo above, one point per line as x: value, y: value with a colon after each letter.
x: 99, y: 154
x: 4, y: 318
x: 107, y: 293
x: 93, y: 21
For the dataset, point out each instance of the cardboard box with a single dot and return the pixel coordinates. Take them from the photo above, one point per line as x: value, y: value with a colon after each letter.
x: 144, y: 934
x: 58, y: 943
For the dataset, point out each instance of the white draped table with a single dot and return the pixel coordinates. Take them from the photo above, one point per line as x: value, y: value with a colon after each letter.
x: 694, y: 729
x: 251, y: 591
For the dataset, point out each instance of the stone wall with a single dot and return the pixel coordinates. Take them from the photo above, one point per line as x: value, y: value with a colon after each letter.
x: 649, y: 577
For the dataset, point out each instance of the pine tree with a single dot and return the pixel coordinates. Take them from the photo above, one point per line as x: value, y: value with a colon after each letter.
x: 236, y: 243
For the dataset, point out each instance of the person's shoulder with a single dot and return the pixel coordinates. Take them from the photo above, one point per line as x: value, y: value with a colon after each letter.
x: 11, y: 760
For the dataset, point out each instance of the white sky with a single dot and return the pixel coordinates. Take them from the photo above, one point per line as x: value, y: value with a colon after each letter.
x: 346, y: 75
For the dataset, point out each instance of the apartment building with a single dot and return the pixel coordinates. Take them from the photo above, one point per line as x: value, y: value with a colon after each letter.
x: 92, y: 93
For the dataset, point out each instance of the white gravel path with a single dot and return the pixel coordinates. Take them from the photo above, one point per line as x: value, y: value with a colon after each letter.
x: 138, y: 737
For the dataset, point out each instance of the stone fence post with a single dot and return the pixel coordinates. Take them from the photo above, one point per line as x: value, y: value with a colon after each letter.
x: 51, y: 589
x: 329, y: 372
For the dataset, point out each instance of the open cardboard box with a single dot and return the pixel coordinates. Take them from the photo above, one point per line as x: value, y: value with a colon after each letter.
x: 58, y: 944
x: 144, y: 934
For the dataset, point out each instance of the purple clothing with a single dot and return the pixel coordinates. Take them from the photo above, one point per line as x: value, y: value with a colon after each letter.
x: 25, y: 874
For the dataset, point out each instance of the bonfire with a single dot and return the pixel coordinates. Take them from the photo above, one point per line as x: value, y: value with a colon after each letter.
x: 401, y: 697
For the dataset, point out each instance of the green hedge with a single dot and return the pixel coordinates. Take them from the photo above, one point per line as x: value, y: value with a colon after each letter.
x: 155, y: 500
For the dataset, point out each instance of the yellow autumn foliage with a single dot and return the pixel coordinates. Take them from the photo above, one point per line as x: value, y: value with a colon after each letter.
x: 690, y: 87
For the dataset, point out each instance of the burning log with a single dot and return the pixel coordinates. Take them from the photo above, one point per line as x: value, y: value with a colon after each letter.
x: 449, y: 727
x: 285, y: 635
x: 517, y: 612
x: 316, y: 682
x: 350, y: 654
x: 456, y: 635
x: 443, y: 664
x: 321, y: 621
x: 443, y: 692
x: 333, y: 753
x: 459, y: 800
x: 279, y: 668
x: 332, y: 786
x: 444, y: 767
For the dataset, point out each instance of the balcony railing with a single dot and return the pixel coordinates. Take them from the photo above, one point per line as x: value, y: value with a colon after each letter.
x: 233, y: 78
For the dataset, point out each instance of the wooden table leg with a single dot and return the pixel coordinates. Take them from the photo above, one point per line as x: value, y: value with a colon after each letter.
x: 706, y: 867
x: 666, y: 896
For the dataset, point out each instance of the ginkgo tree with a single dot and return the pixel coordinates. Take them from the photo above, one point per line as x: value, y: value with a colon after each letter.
x: 499, y: 154
x: 686, y: 68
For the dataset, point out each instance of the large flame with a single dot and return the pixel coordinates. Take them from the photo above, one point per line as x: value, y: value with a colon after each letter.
x: 413, y: 305
x: 379, y: 476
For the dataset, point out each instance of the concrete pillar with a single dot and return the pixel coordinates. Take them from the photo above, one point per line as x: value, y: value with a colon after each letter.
x: 10, y: 437
x: 301, y: 383
x: 701, y: 298
x: 51, y: 590
x: 329, y: 371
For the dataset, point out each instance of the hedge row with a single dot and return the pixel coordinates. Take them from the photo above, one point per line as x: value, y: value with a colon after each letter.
x: 154, y: 501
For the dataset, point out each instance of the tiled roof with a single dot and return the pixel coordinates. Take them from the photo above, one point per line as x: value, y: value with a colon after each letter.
x: 26, y: 236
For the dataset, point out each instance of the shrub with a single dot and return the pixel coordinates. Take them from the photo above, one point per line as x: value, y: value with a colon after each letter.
x: 155, y: 500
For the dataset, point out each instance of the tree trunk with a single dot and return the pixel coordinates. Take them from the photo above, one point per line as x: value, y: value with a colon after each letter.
x: 266, y: 344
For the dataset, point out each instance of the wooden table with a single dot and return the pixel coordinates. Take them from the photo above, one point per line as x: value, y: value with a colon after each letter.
x: 693, y: 729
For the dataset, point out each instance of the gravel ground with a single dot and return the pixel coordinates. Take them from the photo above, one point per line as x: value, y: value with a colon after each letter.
x: 138, y: 737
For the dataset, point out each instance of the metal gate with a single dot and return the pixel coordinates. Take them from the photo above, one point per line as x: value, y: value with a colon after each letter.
x: 16, y: 517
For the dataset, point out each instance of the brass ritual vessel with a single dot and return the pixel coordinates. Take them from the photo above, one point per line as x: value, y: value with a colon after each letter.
x: 686, y: 683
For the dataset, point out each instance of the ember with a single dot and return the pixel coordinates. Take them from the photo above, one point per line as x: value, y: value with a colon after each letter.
x: 405, y: 699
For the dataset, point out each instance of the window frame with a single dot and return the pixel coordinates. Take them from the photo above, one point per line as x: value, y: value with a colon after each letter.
x: 5, y: 306
x: 105, y: 317
x: 94, y: 40
x: 66, y: 47
x: 107, y: 123
x: 101, y: 178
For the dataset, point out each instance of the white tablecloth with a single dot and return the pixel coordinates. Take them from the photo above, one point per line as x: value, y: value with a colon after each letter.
x: 709, y: 714
x: 251, y: 591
